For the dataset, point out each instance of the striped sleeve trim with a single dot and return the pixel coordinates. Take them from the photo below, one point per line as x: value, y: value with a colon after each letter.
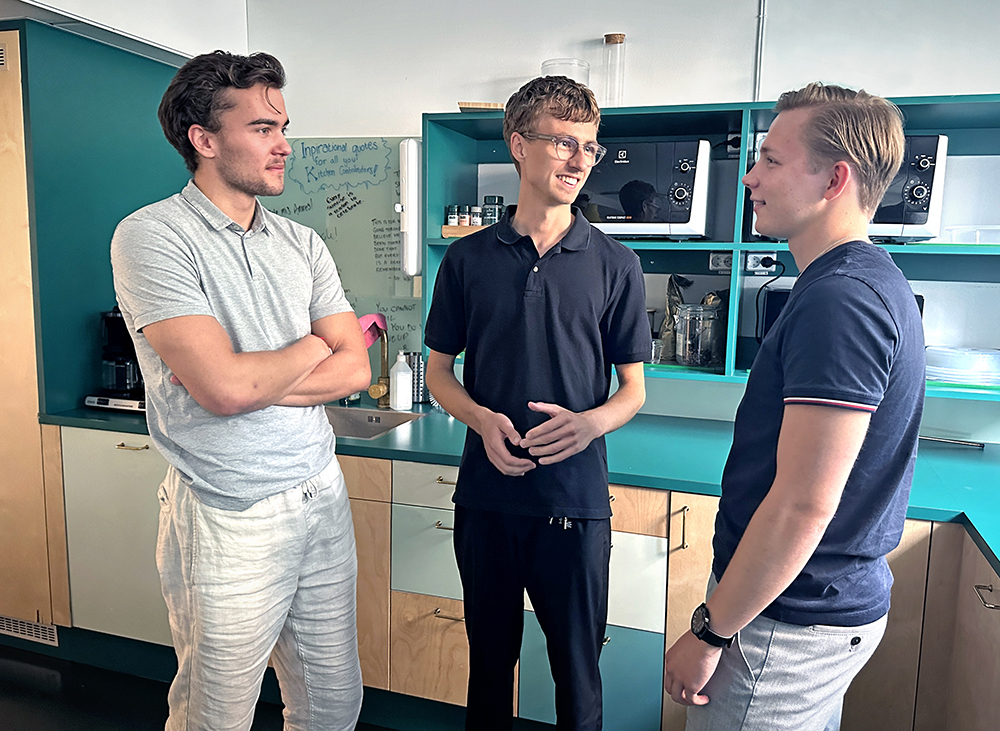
x: 831, y: 402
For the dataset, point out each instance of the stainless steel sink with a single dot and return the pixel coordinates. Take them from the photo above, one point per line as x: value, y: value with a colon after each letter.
x: 361, y: 423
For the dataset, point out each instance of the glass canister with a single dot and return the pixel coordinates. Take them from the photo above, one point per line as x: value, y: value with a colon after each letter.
x: 492, y: 209
x: 698, y: 334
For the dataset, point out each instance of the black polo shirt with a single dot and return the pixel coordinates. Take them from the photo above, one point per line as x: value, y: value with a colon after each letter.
x: 538, y: 329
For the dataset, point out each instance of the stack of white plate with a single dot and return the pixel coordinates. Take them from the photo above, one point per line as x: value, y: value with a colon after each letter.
x: 971, y: 366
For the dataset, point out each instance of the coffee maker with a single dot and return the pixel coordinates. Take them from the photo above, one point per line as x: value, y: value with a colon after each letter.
x: 121, y: 381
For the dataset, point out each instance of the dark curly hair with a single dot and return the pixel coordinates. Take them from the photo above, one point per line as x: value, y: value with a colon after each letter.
x: 196, y: 94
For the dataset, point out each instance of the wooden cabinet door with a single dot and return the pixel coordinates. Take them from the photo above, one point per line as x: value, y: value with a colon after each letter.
x: 430, y: 651
x: 371, y: 533
x: 883, y: 694
x: 24, y: 571
x: 960, y: 655
x: 640, y: 510
x: 367, y: 478
x: 689, y: 563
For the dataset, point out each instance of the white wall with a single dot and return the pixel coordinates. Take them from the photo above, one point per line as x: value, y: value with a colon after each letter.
x: 183, y: 27
x: 363, y: 68
x: 890, y: 47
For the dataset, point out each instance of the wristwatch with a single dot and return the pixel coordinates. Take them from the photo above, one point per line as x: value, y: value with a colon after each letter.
x: 701, y: 629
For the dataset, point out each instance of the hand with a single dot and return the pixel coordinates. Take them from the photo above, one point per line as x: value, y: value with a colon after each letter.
x: 689, y: 665
x: 494, y: 428
x: 175, y: 380
x: 565, y: 433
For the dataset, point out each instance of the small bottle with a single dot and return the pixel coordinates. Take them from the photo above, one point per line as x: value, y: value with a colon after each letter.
x: 614, y: 67
x: 451, y: 218
x: 463, y: 215
x: 476, y: 216
x: 400, y: 384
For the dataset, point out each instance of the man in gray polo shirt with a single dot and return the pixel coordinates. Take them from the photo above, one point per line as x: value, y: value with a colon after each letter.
x: 242, y: 332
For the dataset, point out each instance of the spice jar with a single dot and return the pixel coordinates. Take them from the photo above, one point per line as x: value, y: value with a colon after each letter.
x: 476, y: 216
x: 463, y: 215
x: 451, y: 216
x: 492, y: 209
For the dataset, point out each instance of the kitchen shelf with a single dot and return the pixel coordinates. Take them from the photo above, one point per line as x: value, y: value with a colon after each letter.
x: 456, y: 144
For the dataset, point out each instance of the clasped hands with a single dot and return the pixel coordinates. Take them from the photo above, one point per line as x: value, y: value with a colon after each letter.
x: 564, y: 434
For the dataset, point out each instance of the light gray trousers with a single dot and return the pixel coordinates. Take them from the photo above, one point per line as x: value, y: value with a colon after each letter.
x: 784, y: 677
x: 278, y: 576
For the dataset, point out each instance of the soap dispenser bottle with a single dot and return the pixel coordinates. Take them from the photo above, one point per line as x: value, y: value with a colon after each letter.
x: 401, y: 384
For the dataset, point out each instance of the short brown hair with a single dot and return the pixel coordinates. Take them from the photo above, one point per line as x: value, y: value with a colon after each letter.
x: 197, y: 93
x: 559, y: 96
x: 863, y: 130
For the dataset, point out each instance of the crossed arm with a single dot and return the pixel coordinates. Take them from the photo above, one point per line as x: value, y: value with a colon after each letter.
x: 564, y: 434
x: 325, y: 365
x: 817, y: 448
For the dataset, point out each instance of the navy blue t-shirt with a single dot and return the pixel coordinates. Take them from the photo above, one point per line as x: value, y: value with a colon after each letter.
x: 849, y: 336
x: 538, y: 329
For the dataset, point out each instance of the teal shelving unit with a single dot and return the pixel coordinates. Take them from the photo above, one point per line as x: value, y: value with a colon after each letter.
x: 456, y: 144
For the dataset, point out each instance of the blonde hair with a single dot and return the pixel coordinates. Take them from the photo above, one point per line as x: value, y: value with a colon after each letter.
x: 559, y: 96
x: 864, y: 130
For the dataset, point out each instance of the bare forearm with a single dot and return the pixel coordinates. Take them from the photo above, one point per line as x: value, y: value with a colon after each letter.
x: 453, y: 397
x: 340, y: 375
x: 778, y: 542
x: 620, y: 407
x: 256, y: 380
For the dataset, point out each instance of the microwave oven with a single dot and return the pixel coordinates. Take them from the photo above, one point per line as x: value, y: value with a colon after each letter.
x: 911, y: 207
x: 649, y: 189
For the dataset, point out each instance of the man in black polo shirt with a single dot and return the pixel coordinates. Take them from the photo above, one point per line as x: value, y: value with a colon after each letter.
x: 543, y: 305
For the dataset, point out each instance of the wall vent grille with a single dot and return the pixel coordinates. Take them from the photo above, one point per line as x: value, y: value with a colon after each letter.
x: 44, y: 633
x: 3, y: 56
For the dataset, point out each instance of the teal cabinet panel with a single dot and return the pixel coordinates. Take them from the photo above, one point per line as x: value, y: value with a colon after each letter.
x: 631, y: 673
x: 423, y: 553
x: 96, y: 153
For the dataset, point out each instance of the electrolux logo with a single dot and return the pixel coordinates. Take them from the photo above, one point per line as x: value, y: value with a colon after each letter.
x: 622, y: 157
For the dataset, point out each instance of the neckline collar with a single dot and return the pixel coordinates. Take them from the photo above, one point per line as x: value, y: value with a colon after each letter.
x: 577, y: 238
x: 214, y: 216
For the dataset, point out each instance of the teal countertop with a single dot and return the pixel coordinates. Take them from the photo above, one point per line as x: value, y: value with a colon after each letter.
x: 951, y: 482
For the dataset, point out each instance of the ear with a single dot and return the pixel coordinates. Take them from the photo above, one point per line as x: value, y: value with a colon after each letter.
x: 202, y: 140
x: 841, y: 177
x: 517, y: 147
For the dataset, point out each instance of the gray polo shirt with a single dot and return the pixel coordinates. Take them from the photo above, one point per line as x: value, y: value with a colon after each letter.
x: 183, y: 256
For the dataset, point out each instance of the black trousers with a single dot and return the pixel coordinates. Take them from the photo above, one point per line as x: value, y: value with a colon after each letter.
x: 563, y: 564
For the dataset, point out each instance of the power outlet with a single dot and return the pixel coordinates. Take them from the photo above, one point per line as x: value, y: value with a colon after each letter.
x: 733, y: 144
x: 720, y: 261
x: 753, y: 262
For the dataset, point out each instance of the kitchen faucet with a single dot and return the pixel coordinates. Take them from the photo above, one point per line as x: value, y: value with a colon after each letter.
x: 374, y: 327
x: 380, y: 389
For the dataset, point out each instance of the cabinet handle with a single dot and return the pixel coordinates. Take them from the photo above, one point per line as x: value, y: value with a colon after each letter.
x: 980, y: 588
x: 684, y: 526
x: 441, y: 526
x: 605, y: 642
x: 441, y: 481
x: 611, y: 498
x: 122, y: 445
x: 439, y: 615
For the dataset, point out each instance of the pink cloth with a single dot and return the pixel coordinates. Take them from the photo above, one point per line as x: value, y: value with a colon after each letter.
x: 372, y: 326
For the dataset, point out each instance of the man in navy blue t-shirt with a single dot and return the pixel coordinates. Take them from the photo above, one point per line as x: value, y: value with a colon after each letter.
x: 815, y: 490
x: 543, y: 305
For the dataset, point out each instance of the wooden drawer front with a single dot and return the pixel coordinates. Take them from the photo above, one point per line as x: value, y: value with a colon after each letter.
x: 112, y: 518
x: 637, y: 594
x: 423, y: 553
x: 371, y: 532
x: 639, y: 510
x: 428, y: 485
x: 430, y: 651
x: 367, y: 478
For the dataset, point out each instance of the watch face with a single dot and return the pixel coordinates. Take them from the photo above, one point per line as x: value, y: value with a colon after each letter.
x: 698, y: 620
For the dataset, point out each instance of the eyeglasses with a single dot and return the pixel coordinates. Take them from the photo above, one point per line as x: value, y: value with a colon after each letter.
x: 566, y: 147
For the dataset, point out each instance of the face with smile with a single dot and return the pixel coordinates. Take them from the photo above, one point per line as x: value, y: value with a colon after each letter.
x: 247, y: 154
x: 786, y: 188
x: 547, y: 179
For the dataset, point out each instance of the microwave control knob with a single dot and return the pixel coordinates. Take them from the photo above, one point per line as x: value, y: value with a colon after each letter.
x: 923, y: 163
x: 680, y: 194
x: 919, y: 192
x: 685, y: 166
